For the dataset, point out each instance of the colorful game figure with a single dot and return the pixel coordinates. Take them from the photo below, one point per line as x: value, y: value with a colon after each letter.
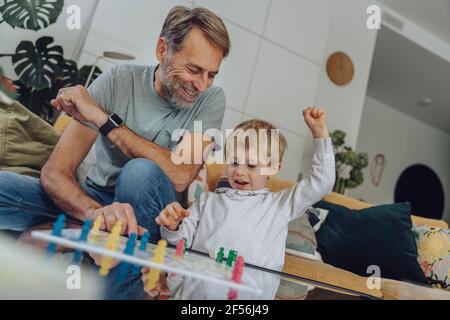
x: 112, y: 244
x: 83, y: 237
x: 142, y: 248
x: 238, y: 270
x: 58, y: 226
x: 179, y: 252
x: 220, y: 255
x: 95, y: 228
x: 235, y: 254
x: 158, y: 257
x: 232, y: 254
x: 129, y: 250
x: 237, y: 276
x: 232, y: 294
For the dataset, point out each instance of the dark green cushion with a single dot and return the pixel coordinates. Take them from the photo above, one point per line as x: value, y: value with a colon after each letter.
x: 356, y: 239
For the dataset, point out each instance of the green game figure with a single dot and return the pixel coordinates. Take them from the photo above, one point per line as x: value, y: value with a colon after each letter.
x: 220, y: 255
x: 235, y: 254
x: 185, y: 244
x: 232, y: 254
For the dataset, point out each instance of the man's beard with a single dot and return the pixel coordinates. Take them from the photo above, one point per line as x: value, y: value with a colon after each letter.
x: 171, y: 89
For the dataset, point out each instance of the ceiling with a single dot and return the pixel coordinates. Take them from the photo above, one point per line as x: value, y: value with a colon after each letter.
x: 403, y: 73
x: 431, y: 15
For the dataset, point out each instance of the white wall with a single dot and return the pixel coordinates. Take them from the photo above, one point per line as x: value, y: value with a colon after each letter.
x: 348, y: 33
x: 276, y: 65
x: 70, y: 40
x: 404, y: 141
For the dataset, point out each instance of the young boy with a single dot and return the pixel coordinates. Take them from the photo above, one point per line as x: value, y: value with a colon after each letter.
x: 248, y: 217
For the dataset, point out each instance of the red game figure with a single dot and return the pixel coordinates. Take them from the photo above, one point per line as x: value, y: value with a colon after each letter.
x: 180, y: 248
x: 236, y: 277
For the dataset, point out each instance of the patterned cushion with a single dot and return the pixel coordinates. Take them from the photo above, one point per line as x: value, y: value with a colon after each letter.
x: 434, y: 254
x: 289, y: 290
x: 301, y: 240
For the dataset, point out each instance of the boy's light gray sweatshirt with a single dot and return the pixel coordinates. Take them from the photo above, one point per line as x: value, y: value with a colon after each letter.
x: 255, y: 223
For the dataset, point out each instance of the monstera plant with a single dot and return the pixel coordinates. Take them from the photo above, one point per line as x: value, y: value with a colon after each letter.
x: 40, y: 67
x: 31, y: 14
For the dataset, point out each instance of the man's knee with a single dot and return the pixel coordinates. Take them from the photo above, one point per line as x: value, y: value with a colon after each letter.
x: 141, y: 171
x: 145, y: 186
x: 143, y: 177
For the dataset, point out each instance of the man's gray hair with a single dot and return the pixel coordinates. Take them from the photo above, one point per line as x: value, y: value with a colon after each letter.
x: 180, y: 21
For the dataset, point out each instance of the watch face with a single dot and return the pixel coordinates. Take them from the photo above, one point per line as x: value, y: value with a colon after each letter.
x: 115, y: 119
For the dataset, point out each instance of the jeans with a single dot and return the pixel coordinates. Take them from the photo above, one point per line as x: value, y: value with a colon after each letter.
x: 141, y: 183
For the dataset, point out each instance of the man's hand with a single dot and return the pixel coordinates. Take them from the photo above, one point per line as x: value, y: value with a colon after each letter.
x: 315, y: 119
x: 171, y: 216
x: 77, y: 102
x: 122, y: 212
x: 111, y: 214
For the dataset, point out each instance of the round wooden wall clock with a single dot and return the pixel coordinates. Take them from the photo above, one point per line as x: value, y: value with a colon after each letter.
x: 340, y: 68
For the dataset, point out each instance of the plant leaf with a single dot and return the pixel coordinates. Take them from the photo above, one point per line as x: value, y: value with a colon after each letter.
x: 37, y: 101
x: 84, y: 74
x: 38, y: 66
x: 31, y: 14
x: 69, y: 75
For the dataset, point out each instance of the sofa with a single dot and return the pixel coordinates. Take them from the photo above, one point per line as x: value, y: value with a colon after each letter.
x: 322, y: 272
x: 319, y: 271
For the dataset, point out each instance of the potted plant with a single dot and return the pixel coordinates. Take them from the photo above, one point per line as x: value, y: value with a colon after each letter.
x: 349, y: 164
x: 40, y: 67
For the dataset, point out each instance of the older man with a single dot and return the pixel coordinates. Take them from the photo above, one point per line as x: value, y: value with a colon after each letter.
x: 130, y: 113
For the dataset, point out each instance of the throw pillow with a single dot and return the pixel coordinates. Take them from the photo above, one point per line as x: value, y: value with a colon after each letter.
x: 378, y: 236
x: 301, y: 240
x: 316, y: 217
x: 434, y: 255
x: 26, y: 140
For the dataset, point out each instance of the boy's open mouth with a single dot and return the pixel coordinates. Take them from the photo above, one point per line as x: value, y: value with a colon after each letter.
x: 240, y: 183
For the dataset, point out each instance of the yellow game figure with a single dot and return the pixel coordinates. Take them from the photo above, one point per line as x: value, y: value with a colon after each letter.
x: 95, y: 228
x: 112, y: 244
x: 158, y: 257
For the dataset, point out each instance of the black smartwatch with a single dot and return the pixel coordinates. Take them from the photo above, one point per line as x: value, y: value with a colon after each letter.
x: 113, y: 122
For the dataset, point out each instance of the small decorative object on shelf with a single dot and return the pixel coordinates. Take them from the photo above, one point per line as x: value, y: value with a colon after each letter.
x: 349, y: 164
x: 376, y: 168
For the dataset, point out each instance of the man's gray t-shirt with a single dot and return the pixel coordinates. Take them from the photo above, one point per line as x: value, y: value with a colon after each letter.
x: 128, y: 91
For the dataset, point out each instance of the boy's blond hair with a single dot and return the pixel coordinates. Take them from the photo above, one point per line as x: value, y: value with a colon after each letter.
x: 271, y: 131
